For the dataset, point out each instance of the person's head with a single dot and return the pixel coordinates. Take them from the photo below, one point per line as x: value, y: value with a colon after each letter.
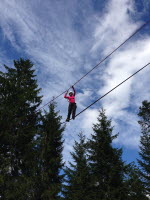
x: 70, y: 93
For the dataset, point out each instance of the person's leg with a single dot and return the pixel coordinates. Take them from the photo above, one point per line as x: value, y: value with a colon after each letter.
x: 74, y: 111
x: 69, y: 111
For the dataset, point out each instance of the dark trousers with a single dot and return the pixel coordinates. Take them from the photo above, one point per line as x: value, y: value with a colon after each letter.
x: 72, y: 109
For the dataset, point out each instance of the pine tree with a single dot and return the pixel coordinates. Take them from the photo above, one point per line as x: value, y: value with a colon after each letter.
x: 18, y: 121
x: 144, y: 161
x: 133, y: 185
x: 77, y: 185
x: 51, y: 161
x: 107, y: 167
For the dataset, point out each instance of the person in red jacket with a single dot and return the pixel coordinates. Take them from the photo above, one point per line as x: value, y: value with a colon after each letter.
x: 72, y: 105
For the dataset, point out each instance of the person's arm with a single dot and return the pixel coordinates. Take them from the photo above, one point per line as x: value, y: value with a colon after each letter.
x: 65, y: 96
x: 74, y: 90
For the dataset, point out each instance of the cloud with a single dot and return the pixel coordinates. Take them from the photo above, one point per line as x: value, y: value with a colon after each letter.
x: 123, y: 103
x: 130, y: 94
x: 114, y: 26
x: 65, y: 40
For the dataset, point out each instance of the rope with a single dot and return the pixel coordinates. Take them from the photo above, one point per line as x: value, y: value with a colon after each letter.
x: 99, y: 62
x: 111, y: 90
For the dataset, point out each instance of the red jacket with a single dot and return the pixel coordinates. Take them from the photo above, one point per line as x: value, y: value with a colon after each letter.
x: 71, y: 98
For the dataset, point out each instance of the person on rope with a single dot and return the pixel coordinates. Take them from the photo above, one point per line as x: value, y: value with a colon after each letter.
x: 72, y: 105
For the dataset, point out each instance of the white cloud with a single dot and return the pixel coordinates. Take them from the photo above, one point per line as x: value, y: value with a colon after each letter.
x: 122, y: 104
x: 90, y: 117
x: 133, y: 92
x: 63, y: 46
x: 114, y: 26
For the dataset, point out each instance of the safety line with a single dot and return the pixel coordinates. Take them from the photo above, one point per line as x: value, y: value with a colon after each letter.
x: 111, y: 90
x: 98, y: 63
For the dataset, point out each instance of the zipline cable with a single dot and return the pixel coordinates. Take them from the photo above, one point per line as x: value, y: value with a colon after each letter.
x: 113, y: 51
x: 111, y: 90
x: 141, y: 27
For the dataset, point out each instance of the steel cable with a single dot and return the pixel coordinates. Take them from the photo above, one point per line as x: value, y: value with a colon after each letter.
x: 111, y: 90
x: 141, y: 27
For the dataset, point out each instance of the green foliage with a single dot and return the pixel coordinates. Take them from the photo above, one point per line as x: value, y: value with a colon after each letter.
x: 18, y: 121
x: 133, y: 184
x: 144, y: 161
x: 31, y: 145
x: 51, y: 155
x: 107, y: 167
x: 144, y: 114
x: 77, y: 184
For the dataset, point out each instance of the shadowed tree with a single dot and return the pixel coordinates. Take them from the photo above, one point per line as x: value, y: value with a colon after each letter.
x: 133, y: 185
x: 107, y: 167
x: 144, y: 161
x: 77, y: 184
x: 51, y: 161
x: 19, y: 99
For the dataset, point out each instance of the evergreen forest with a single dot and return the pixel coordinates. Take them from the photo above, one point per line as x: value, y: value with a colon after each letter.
x: 31, y: 149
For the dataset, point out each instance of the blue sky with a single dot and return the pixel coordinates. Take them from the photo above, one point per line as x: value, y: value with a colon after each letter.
x: 65, y: 39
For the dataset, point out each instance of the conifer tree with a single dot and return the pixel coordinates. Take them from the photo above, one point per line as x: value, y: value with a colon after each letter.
x: 107, y: 167
x: 144, y: 161
x: 51, y: 155
x: 18, y: 121
x: 77, y: 185
x: 133, y: 185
